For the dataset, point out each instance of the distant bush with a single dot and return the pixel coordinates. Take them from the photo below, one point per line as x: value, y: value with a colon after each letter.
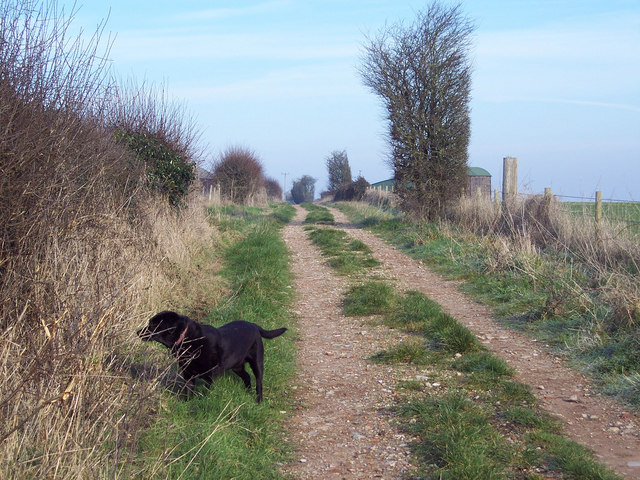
x: 274, y: 191
x: 353, y: 191
x: 240, y: 176
x: 303, y: 189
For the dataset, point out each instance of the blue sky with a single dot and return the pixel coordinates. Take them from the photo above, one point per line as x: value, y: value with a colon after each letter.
x: 556, y: 83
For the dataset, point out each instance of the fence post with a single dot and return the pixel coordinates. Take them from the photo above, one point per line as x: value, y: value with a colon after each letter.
x: 598, y: 215
x: 509, y: 180
x: 496, y: 201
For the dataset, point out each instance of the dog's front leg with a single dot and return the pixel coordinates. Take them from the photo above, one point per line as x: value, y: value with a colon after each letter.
x: 188, y: 390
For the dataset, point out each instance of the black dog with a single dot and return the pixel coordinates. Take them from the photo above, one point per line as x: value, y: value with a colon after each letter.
x: 204, y: 351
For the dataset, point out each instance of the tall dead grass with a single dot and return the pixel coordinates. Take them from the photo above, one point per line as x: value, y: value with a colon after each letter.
x: 380, y: 198
x: 538, y: 223
x: 86, y: 253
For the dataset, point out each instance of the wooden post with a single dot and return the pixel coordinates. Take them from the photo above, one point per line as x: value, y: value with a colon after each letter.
x: 598, y: 215
x: 509, y: 180
x: 496, y: 200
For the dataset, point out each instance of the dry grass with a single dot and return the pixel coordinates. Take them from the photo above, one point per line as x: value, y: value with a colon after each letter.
x: 69, y: 398
x: 380, y: 198
x: 85, y: 255
x: 610, y: 258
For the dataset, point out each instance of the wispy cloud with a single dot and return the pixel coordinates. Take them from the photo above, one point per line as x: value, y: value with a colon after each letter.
x: 313, y: 81
x: 570, y: 101
x: 156, y: 45
x: 240, y: 10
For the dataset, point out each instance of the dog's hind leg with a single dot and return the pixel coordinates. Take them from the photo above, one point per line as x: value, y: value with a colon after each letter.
x: 242, y: 373
x: 257, y: 366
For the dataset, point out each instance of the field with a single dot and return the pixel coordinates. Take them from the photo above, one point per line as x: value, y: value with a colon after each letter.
x: 624, y: 216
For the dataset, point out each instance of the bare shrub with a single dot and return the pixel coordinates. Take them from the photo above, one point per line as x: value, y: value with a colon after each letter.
x: 240, y: 176
x: 274, y: 191
x: 82, y: 258
x: 351, y: 191
x: 145, y: 108
x: 422, y: 73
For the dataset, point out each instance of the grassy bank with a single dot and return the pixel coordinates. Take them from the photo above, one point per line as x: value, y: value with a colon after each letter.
x: 222, y: 432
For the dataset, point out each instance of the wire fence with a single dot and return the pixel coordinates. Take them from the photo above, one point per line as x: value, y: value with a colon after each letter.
x: 622, y: 214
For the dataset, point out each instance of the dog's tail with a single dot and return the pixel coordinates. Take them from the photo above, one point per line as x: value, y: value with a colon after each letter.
x: 271, y: 333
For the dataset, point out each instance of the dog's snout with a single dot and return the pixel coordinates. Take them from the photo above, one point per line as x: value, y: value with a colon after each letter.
x: 144, y: 333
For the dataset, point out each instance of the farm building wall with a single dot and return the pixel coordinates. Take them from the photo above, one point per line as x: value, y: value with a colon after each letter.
x: 483, y: 183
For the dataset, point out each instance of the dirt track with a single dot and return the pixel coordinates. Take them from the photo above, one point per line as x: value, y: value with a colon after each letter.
x: 341, y: 431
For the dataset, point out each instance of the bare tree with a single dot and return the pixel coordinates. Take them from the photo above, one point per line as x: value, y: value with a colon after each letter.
x: 339, y: 170
x: 422, y: 72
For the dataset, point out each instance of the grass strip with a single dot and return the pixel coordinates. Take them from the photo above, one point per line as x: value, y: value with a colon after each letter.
x: 222, y: 432
x: 318, y: 214
x: 471, y: 419
x: 369, y: 298
x: 347, y: 256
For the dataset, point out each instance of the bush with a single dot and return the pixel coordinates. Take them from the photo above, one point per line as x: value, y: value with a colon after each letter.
x: 353, y: 191
x: 274, y: 191
x: 74, y: 272
x: 240, y: 176
x: 303, y: 189
x: 168, y: 172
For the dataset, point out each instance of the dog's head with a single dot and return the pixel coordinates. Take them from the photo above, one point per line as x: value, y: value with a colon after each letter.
x: 168, y: 328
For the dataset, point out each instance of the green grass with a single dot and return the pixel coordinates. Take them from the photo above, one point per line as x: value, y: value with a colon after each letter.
x: 457, y: 439
x: 345, y: 255
x: 624, y: 214
x: 370, y: 298
x: 321, y: 218
x: 222, y: 432
x: 479, y: 423
x: 319, y: 215
x: 283, y: 212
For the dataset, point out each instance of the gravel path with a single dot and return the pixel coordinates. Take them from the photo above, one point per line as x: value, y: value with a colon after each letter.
x: 343, y: 429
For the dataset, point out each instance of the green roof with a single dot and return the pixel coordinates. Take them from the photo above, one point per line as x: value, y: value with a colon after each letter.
x: 478, y: 172
x: 385, y: 183
x: 471, y: 172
